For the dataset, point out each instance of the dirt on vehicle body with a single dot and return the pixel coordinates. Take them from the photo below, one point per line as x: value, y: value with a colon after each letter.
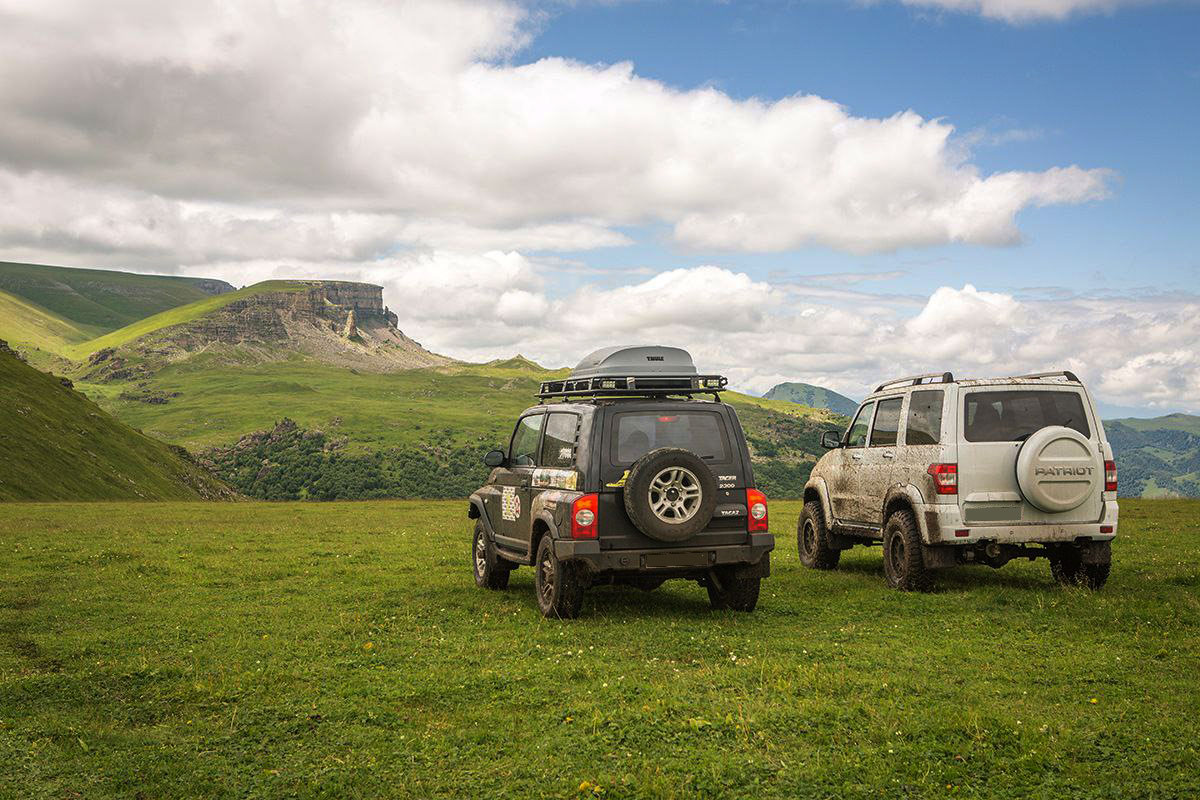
x: 945, y: 472
x: 630, y: 477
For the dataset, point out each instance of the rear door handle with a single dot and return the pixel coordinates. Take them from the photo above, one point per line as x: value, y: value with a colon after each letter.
x: 888, y: 454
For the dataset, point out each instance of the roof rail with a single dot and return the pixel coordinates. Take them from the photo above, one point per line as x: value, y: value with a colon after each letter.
x: 917, y: 380
x: 634, y: 386
x: 1063, y: 373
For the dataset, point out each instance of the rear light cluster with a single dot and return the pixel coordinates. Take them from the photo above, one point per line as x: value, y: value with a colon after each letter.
x: 1110, y: 476
x: 756, y: 511
x: 945, y: 478
x: 583, y: 516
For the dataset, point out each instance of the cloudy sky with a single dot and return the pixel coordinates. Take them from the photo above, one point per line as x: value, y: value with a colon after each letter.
x: 831, y: 191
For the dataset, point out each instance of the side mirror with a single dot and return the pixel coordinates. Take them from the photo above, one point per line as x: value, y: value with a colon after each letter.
x: 495, y: 458
x: 831, y: 440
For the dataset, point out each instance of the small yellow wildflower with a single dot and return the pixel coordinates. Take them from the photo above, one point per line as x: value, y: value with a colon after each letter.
x: 369, y: 646
x: 1093, y: 701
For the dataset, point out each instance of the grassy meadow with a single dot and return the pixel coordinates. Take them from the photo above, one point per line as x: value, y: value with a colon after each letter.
x: 342, y: 650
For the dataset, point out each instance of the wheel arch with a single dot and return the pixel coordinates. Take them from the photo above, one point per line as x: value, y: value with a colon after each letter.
x: 815, y: 489
x: 904, y: 497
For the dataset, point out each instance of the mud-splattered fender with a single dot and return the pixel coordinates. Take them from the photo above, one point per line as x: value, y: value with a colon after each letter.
x: 818, y: 485
x: 552, y: 507
x: 911, y: 496
x: 476, y: 510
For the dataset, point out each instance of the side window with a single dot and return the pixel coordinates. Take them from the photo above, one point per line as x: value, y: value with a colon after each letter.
x: 887, y: 423
x: 924, y: 418
x: 558, y: 445
x: 525, y: 441
x: 857, y: 435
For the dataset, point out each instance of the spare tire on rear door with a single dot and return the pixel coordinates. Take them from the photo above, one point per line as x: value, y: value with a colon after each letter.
x: 1058, y: 469
x: 670, y: 494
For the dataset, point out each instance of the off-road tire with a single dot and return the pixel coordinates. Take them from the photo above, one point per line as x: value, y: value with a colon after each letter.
x: 491, y: 571
x: 557, y: 584
x: 812, y: 539
x: 737, y: 593
x: 1067, y: 567
x: 903, y: 565
x: 637, y: 494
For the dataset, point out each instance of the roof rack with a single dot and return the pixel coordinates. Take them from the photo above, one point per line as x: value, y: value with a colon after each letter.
x: 917, y: 380
x: 634, y: 372
x: 631, y: 386
x: 1063, y: 373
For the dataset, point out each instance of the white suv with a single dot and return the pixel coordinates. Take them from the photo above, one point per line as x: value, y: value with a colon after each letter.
x: 948, y: 472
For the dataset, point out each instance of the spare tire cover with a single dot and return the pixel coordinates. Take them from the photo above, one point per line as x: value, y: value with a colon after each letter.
x: 670, y: 494
x: 1057, y: 469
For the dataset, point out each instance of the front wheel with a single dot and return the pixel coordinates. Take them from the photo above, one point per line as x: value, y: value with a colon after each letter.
x: 491, y: 571
x: 812, y: 539
x: 557, y: 583
x: 903, y: 564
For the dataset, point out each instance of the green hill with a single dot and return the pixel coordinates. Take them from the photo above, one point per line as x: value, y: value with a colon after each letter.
x: 813, y: 396
x: 1157, y: 457
x: 95, y: 301
x: 57, y: 445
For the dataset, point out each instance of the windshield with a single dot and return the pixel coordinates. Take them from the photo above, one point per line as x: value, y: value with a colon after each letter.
x: 1014, y: 416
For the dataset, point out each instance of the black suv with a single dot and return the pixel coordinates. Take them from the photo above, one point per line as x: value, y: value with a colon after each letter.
x: 623, y: 475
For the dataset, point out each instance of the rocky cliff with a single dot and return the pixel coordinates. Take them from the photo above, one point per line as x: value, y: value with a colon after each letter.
x: 338, y: 322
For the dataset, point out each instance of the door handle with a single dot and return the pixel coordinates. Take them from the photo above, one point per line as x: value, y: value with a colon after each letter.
x: 888, y: 454
x: 856, y: 456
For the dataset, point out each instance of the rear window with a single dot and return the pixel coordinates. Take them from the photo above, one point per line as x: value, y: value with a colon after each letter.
x: 1014, y: 416
x: 924, y: 418
x: 701, y: 432
x: 558, y: 442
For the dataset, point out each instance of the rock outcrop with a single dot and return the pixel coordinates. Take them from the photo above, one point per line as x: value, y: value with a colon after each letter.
x: 339, y: 322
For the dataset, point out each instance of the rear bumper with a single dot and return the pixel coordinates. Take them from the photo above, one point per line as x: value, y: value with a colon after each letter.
x: 943, y: 523
x: 664, y: 560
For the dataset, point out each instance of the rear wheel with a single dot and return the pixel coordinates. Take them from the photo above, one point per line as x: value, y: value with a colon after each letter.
x: 736, y: 592
x: 903, y: 565
x: 491, y: 571
x: 812, y: 539
x: 557, y: 583
x: 1067, y: 567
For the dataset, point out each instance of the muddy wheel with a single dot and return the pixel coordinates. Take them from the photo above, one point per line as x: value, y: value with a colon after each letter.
x: 491, y: 571
x: 1067, y: 567
x: 903, y: 565
x: 557, y: 583
x: 812, y: 539
x: 737, y: 593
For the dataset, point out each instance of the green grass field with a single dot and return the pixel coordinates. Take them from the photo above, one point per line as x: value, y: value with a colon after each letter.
x: 342, y: 650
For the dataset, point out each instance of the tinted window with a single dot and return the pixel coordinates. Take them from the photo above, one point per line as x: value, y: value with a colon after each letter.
x: 558, y: 445
x: 525, y: 441
x: 857, y: 435
x: 701, y: 432
x: 1013, y: 416
x: 887, y: 423
x: 924, y: 418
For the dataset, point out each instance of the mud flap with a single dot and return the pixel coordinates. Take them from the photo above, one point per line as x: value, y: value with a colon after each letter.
x: 760, y: 570
x: 938, y: 556
x: 1096, y: 552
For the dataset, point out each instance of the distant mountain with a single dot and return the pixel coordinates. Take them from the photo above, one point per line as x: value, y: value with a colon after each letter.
x: 74, y: 305
x: 813, y: 396
x: 55, y: 444
x: 1157, y: 457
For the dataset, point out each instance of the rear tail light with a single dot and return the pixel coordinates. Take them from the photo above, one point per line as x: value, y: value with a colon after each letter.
x: 756, y: 511
x: 583, y: 516
x: 1110, y: 476
x: 945, y: 478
